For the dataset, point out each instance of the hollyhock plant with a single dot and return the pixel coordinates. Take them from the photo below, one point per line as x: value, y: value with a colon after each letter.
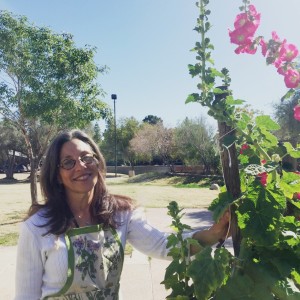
x: 258, y: 191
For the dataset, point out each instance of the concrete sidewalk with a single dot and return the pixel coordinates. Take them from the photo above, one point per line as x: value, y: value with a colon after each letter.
x: 141, y: 276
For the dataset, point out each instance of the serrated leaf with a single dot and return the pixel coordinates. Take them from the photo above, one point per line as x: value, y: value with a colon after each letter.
x: 290, y: 183
x: 295, y: 153
x: 254, y: 169
x: 259, y: 213
x: 192, y: 98
x: 208, y: 273
x: 220, y: 204
x: 243, y: 287
x: 231, y: 101
x: 266, y: 122
x: 296, y: 277
x: 268, y: 137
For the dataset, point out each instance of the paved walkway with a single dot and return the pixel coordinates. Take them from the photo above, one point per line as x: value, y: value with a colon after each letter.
x: 141, y: 276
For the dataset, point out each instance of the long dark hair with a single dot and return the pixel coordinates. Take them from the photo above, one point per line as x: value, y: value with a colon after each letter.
x: 59, y: 216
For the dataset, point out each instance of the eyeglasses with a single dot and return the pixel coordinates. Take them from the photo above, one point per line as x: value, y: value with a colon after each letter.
x: 70, y: 163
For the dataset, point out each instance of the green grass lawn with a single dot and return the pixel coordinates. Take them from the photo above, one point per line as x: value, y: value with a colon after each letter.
x: 150, y: 190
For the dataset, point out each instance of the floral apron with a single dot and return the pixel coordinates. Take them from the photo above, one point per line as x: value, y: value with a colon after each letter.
x: 95, y: 262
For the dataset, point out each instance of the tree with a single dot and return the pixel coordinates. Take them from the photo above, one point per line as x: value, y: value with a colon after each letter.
x: 11, y: 142
x: 47, y: 82
x: 153, y: 140
x: 195, y: 144
x: 97, y: 134
x: 290, y: 128
x: 151, y: 119
x: 125, y: 131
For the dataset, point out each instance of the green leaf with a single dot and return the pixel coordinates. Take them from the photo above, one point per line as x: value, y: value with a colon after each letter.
x: 259, y: 213
x: 192, y: 98
x: 209, y: 273
x: 290, y: 183
x: 266, y: 122
x: 220, y: 204
x: 231, y: 101
x: 243, y: 287
x: 295, y: 153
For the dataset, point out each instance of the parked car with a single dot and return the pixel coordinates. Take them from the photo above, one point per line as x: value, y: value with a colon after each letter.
x: 20, y: 169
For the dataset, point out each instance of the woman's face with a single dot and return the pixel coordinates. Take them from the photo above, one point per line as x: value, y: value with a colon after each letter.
x: 80, y: 179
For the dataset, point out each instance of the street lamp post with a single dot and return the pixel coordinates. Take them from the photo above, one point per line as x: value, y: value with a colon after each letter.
x: 114, y: 98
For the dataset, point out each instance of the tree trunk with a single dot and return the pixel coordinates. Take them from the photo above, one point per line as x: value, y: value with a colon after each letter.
x: 229, y: 162
x: 33, y: 183
x: 231, y: 176
x: 33, y: 168
x: 10, y: 168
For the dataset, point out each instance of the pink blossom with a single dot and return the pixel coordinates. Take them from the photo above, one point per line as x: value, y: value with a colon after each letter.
x: 292, y: 78
x: 264, y: 47
x: 282, y: 70
x: 247, y: 48
x: 275, y: 37
x: 240, y: 20
x: 244, y: 147
x: 263, y: 161
x: 296, y: 196
x: 263, y: 178
x: 297, y: 112
x: 245, y: 26
x: 288, y: 52
x: 239, y: 37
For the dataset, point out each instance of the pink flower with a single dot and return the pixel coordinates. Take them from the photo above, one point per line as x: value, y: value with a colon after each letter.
x: 239, y: 37
x: 264, y: 47
x: 263, y: 178
x: 263, y: 161
x: 244, y: 147
x: 282, y: 70
x: 249, y: 49
x: 292, y: 78
x: 297, y: 112
x: 275, y: 37
x: 240, y: 20
x: 245, y: 26
x: 296, y: 196
x: 288, y: 52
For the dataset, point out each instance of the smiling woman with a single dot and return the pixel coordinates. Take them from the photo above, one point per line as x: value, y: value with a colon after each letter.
x: 74, y: 243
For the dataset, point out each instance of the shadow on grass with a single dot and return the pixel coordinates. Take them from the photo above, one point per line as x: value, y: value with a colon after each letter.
x: 178, y: 180
x: 14, y: 180
x: 148, y: 177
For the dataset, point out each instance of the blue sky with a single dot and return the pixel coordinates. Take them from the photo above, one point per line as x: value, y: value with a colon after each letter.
x: 146, y: 45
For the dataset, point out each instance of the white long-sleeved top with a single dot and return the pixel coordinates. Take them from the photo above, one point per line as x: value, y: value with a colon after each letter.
x: 42, y: 261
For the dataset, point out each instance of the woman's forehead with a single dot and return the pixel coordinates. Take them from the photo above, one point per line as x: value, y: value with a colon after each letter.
x: 75, y: 146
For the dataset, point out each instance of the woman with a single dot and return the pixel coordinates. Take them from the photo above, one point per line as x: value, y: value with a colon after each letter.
x: 71, y: 247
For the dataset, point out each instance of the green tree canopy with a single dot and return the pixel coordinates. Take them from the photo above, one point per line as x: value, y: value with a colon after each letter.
x: 46, y: 80
x: 195, y: 144
x: 125, y: 131
x: 151, y: 119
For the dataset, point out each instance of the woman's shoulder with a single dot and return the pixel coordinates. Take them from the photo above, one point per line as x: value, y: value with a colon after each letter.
x: 38, y: 220
x: 130, y: 214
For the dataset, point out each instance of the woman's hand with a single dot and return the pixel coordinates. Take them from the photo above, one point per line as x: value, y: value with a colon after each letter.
x: 221, y: 229
x: 217, y: 232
